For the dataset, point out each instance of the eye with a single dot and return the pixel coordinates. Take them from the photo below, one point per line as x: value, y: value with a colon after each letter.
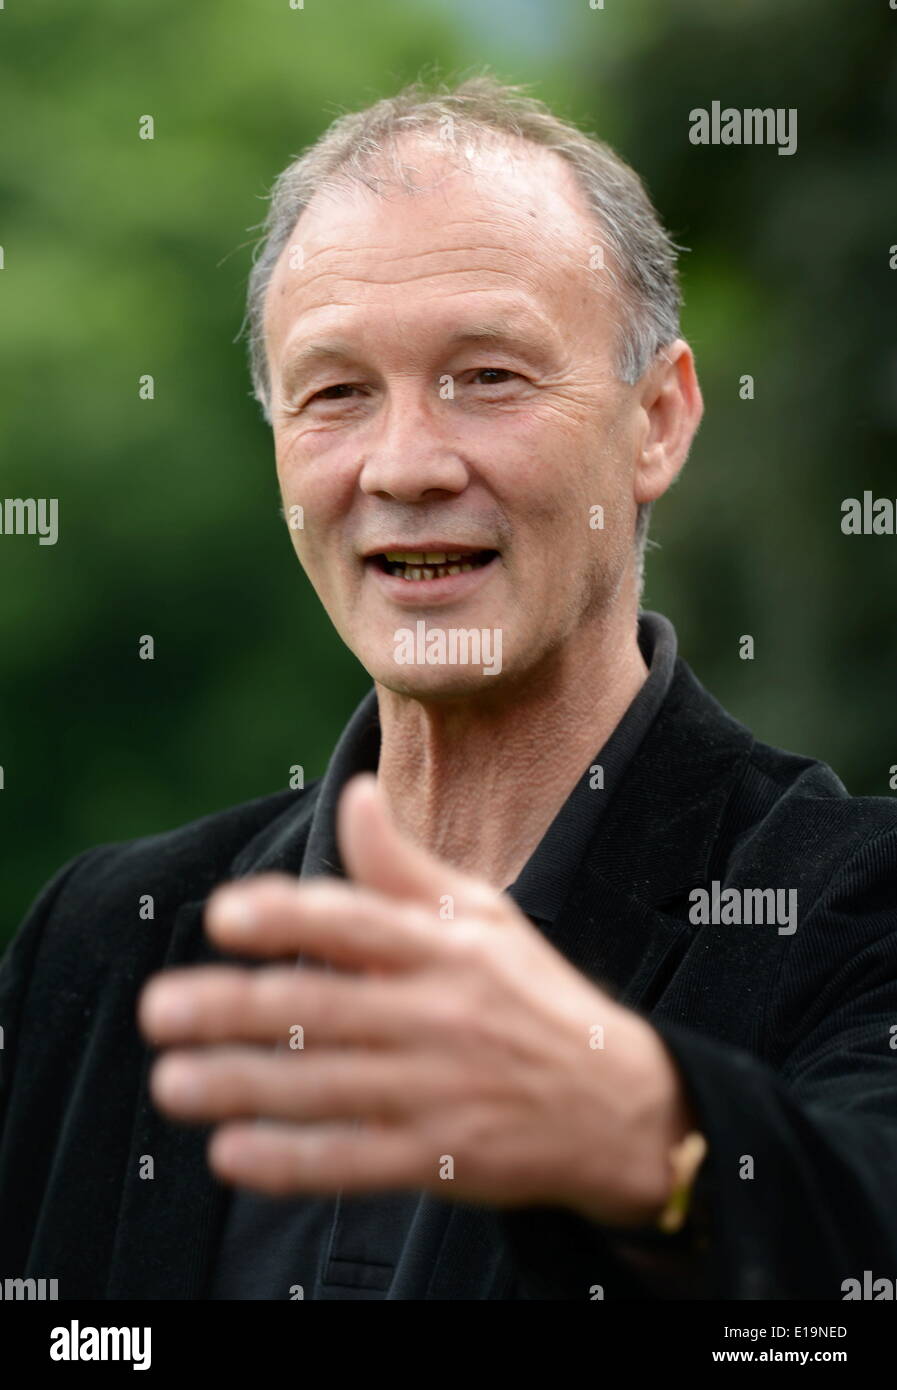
x: 494, y: 376
x: 339, y: 392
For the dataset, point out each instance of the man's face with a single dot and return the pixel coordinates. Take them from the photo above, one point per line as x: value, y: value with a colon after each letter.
x: 443, y: 386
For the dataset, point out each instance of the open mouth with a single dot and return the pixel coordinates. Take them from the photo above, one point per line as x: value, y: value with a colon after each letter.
x: 419, y: 565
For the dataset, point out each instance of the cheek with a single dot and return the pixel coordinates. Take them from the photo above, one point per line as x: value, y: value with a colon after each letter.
x: 547, y: 483
x: 527, y: 461
x: 292, y: 465
x: 307, y: 509
x: 569, y: 496
x: 324, y: 490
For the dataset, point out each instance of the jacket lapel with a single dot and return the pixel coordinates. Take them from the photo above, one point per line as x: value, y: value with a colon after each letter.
x: 623, y: 922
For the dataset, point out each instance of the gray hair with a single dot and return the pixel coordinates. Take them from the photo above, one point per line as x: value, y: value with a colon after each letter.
x: 641, y: 248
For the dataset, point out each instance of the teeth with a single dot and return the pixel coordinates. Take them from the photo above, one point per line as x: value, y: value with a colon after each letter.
x: 409, y: 564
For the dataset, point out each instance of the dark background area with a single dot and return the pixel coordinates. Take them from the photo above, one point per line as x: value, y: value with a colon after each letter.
x: 124, y: 256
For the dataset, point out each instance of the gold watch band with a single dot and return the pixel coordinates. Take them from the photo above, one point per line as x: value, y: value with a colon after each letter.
x: 685, y: 1159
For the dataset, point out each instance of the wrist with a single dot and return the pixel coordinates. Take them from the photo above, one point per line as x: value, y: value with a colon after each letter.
x: 651, y: 1165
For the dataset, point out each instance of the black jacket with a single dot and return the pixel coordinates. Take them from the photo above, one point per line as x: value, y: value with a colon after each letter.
x: 786, y: 1042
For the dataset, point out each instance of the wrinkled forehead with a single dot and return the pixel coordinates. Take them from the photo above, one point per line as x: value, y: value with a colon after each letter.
x: 434, y: 218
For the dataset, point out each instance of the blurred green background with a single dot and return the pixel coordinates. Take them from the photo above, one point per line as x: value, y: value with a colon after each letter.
x: 125, y: 256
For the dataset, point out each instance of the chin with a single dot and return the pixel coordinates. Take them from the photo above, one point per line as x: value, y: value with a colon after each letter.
x: 433, y: 682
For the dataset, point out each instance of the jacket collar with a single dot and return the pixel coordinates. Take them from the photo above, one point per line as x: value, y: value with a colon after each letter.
x: 625, y: 921
x: 618, y: 925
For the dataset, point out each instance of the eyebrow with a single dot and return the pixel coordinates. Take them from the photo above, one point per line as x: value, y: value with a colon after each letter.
x: 525, y: 337
x: 305, y: 359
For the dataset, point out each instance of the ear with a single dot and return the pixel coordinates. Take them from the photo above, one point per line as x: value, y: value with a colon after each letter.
x: 672, y: 407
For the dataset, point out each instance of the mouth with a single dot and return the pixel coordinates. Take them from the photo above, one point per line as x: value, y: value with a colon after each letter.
x: 428, y: 565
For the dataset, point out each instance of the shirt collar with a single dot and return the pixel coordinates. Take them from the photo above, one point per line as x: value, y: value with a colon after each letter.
x: 544, y: 881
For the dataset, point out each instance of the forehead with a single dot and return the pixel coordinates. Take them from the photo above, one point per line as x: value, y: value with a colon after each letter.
x: 504, y: 220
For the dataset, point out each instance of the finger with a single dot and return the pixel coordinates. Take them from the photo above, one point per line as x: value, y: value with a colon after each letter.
x: 280, y: 1004
x: 236, y: 1082
x: 323, y: 1159
x: 376, y: 854
x: 275, y: 915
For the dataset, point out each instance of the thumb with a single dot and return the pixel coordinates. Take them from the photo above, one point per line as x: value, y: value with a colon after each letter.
x: 377, y: 855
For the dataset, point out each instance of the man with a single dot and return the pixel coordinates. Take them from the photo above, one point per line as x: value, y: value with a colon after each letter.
x: 597, y: 994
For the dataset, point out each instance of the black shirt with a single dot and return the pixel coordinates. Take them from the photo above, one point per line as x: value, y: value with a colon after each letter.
x: 347, y: 1247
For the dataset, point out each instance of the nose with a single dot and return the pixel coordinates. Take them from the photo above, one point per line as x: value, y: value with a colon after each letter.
x: 411, y: 455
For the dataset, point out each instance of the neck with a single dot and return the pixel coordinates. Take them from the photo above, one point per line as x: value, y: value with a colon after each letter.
x: 476, y: 780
